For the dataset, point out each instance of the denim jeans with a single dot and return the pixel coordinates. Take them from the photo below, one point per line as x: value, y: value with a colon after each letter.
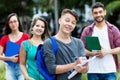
x: 102, y: 76
x: 14, y: 72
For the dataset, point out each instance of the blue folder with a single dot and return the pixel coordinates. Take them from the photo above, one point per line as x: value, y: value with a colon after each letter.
x: 12, y: 49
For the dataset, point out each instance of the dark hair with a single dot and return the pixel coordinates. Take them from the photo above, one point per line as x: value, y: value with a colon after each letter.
x: 71, y: 12
x: 6, y: 29
x: 98, y: 4
x: 46, y: 32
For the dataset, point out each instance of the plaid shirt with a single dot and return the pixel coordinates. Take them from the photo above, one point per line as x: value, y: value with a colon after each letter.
x: 113, y: 35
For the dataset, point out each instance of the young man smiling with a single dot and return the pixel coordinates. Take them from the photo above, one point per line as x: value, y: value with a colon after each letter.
x: 103, y: 67
x: 70, y: 50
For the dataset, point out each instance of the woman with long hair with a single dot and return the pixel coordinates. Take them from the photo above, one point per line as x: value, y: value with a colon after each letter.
x: 38, y: 33
x: 13, y: 35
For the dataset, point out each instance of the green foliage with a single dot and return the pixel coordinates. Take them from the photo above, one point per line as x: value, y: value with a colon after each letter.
x: 46, y: 5
x: 21, y: 7
x: 112, y: 7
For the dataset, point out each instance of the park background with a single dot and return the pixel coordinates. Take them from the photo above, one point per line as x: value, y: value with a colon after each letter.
x: 50, y: 10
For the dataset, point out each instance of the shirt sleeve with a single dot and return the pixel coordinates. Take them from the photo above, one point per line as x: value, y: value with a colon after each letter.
x: 26, y: 45
x: 49, y: 56
x: 3, y: 41
x: 116, y: 38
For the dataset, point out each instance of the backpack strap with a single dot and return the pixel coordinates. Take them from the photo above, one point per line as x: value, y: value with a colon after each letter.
x: 54, y: 45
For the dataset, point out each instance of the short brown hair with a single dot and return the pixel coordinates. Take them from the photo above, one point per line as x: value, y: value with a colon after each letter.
x: 98, y: 4
x: 71, y: 12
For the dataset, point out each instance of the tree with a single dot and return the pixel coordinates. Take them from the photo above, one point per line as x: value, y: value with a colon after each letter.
x: 113, y: 13
x: 21, y: 7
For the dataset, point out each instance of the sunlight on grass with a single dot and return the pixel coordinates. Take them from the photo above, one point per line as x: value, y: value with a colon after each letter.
x: 118, y: 75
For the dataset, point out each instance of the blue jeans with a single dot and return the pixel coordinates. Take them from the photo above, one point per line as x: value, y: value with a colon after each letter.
x: 14, y: 72
x: 102, y: 76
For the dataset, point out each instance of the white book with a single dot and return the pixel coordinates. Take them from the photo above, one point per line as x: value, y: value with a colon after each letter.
x: 82, y: 64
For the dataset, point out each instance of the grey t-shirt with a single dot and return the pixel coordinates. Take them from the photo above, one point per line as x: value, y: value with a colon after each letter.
x: 67, y: 53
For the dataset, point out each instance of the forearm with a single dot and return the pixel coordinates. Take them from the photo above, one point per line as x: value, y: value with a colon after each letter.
x: 65, y: 68
x: 114, y: 51
x: 24, y: 71
x: 4, y: 58
x: 89, y: 53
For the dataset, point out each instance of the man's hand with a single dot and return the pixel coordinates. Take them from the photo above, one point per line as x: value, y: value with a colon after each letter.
x: 79, y: 67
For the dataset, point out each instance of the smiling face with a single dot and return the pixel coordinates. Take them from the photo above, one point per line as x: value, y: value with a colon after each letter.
x: 67, y: 23
x: 99, y: 14
x: 38, y: 28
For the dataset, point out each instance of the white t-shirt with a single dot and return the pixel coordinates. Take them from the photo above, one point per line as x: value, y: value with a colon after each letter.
x: 105, y: 64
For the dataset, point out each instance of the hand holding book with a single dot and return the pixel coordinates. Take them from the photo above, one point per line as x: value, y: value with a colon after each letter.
x: 12, y: 50
x: 14, y: 58
x: 82, y: 64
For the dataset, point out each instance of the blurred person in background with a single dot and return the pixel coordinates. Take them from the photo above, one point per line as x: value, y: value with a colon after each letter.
x: 14, y: 34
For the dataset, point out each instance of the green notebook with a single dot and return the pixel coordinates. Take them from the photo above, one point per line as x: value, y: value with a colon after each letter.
x: 92, y: 43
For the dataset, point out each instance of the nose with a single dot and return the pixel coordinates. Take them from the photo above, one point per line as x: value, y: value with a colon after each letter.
x: 98, y: 14
x: 40, y: 27
x: 69, y: 23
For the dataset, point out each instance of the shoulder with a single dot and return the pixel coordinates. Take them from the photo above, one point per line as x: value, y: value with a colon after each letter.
x: 76, y: 40
x: 25, y: 35
x: 25, y: 42
x: 112, y: 27
x: 5, y: 37
x: 47, y: 41
x: 4, y: 40
x: 50, y: 41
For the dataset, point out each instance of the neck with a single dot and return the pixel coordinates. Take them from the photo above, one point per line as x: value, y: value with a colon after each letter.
x: 15, y: 36
x: 101, y: 24
x: 63, y: 37
x: 15, y: 32
x: 36, y: 40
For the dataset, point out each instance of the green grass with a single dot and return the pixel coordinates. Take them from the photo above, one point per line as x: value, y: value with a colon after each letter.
x: 2, y: 70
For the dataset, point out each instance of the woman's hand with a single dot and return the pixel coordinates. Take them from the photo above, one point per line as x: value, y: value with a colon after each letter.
x: 14, y: 58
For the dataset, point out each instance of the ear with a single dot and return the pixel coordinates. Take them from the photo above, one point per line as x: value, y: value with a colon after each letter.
x: 59, y: 20
x: 105, y: 12
x: 92, y: 13
x: 31, y: 30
